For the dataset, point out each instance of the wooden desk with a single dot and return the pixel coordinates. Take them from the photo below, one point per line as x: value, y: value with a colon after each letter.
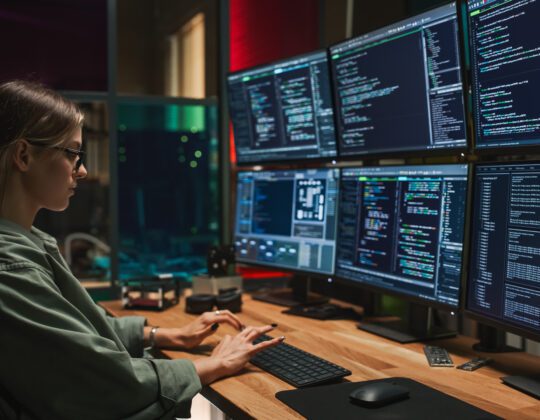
x: 251, y: 393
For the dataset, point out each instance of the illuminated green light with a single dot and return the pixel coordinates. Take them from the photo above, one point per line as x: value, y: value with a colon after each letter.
x: 476, y: 12
x: 194, y: 130
x: 193, y: 164
x: 335, y: 56
x: 246, y: 79
x: 198, y: 153
x: 184, y: 139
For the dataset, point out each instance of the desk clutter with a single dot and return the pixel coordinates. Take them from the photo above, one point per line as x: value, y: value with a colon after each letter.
x: 230, y: 299
x: 151, y: 292
x: 368, y: 357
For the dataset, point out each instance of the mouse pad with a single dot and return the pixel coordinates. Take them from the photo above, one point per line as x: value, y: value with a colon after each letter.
x: 332, y: 402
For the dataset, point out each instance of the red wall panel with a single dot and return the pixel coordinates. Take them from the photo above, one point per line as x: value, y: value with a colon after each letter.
x: 267, y: 30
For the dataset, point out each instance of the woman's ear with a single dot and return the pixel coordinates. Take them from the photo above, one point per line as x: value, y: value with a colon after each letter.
x: 21, y: 155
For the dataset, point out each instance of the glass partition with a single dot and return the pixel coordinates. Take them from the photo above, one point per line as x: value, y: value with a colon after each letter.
x: 167, y: 159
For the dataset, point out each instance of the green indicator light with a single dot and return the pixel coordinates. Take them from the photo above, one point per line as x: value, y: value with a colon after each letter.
x: 198, y: 153
x: 363, y: 178
x: 246, y: 79
x: 193, y: 164
x: 335, y: 56
x: 476, y: 12
x: 194, y: 130
x: 184, y: 139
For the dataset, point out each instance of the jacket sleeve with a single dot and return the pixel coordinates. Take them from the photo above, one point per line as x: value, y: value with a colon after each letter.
x: 130, y: 330
x: 56, y: 363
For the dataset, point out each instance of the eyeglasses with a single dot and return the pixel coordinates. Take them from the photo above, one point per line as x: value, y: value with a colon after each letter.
x: 67, y: 150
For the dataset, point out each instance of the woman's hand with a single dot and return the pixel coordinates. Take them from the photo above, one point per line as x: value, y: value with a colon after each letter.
x: 232, y: 353
x: 192, y: 334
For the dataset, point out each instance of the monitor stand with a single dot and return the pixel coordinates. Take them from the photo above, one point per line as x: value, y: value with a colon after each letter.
x: 297, y: 294
x: 528, y: 384
x: 419, y: 326
x: 492, y: 340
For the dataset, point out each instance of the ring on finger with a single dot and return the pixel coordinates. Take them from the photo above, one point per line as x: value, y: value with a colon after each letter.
x: 218, y: 313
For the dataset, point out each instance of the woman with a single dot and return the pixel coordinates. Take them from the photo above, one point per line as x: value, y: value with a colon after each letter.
x: 62, y: 357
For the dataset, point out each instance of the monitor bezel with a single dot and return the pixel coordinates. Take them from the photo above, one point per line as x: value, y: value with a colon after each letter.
x: 400, y: 294
x: 407, y: 152
x: 285, y: 159
x: 288, y: 269
x: 469, y: 313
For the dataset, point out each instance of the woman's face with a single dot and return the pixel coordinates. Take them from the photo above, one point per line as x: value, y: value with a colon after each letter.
x: 52, y: 180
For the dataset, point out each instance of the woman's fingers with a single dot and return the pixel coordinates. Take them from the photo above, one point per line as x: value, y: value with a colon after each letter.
x: 223, y: 316
x: 233, y: 317
x: 255, y: 332
x: 266, y: 344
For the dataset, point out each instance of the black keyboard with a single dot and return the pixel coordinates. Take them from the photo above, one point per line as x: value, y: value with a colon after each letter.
x: 296, y: 366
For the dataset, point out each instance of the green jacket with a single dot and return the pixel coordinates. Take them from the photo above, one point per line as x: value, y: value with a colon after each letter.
x: 62, y: 357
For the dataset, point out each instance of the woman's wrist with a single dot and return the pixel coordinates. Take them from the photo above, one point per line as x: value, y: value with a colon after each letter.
x: 163, y: 337
x: 209, y: 369
x: 150, y: 337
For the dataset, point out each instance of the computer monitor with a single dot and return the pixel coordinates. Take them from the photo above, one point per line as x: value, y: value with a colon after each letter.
x: 505, y: 67
x: 286, y: 219
x: 283, y: 110
x: 503, y: 288
x: 400, y: 88
x: 400, y: 231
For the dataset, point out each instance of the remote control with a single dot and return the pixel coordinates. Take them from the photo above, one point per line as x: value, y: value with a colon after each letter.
x: 437, y: 356
x: 475, y: 363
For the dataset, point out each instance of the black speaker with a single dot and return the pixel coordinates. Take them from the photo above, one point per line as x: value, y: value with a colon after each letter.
x: 197, y: 304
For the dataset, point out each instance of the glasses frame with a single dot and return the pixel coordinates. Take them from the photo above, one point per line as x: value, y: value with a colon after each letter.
x: 69, y: 151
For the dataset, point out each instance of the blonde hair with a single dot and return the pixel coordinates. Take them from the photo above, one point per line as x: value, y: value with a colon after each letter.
x: 31, y: 111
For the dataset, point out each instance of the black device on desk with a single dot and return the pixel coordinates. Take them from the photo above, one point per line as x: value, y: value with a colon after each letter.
x: 377, y: 394
x: 323, y: 311
x: 296, y: 366
x: 335, y: 402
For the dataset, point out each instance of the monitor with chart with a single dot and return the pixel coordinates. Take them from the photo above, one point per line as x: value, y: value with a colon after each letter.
x: 505, y: 68
x: 400, y: 88
x: 401, y: 230
x: 283, y: 110
x: 287, y: 219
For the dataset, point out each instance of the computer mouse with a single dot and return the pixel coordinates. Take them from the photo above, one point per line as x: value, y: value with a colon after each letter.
x: 378, y: 393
